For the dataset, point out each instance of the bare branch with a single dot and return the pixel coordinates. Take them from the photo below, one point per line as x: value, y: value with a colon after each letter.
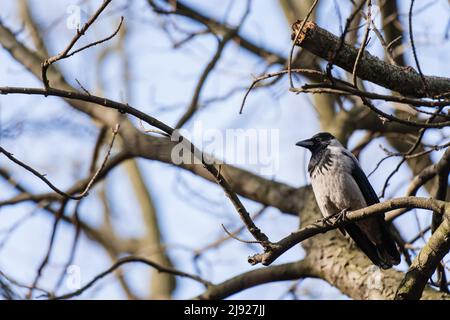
x: 51, y: 185
x: 403, y: 80
x: 131, y: 259
x: 125, y: 108
x: 425, y: 263
x: 288, y: 271
x: 321, y: 226
x: 65, y: 53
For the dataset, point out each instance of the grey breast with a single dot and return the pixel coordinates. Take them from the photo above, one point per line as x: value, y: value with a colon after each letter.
x: 332, y: 182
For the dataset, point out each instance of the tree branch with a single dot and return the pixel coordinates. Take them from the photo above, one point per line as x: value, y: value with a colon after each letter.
x: 288, y: 271
x: 403, y: 80
x: 320, y: 226
x: 425, y: 263
x: 125, y: 260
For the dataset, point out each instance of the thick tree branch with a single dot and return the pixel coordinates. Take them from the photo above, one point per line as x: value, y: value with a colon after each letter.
x: 113, y: 246
x: 188, y: 146
x: 441, y: 169
x: 288, y: 271
x: 320, y: 226
x: 425, y: 263
x: 339, y: 262
x: 403, y: 80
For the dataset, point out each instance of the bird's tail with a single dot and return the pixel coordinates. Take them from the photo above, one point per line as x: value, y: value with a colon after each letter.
x: 387, y: 250
x: 384, y: 254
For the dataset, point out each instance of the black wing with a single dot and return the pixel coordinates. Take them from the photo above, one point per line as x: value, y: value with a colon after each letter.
x: 363, y: 242
x: 387, y: 250
x: 364, y: 185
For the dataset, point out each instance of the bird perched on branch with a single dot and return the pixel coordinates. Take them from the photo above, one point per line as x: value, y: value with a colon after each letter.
x: 339, y: 185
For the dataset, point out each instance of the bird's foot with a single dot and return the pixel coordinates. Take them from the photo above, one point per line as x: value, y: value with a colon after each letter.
x: 326, y: 220
x: 341, y: 216
x: 335, y: 218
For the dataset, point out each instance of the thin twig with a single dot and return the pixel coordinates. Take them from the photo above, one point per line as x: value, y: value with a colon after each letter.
x: 322, y: 226
x: 364, y: 42
x: 64, y: 54
x: 51, y: 185
x: 275, y: 74
x: 229, y: 35
x: 44, y: 262
x: 342, y: 40
x: 112, y: 35
x: 231, y: 235
x: 411, y: 39
x: 175, y: 136
x: 76, y: 223
x: 299, y: 31
x: 131, y: 259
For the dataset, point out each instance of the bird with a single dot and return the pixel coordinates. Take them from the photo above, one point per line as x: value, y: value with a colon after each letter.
x: 340, y: 185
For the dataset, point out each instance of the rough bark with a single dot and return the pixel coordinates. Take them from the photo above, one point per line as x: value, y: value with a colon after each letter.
x: 333, y: 258
x: 403, y: 80
x: 412, y: 285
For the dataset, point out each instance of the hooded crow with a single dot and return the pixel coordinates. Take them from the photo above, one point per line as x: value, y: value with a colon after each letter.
x: 339, y: 184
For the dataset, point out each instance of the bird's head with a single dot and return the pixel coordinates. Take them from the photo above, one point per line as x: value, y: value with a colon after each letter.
x: 318, y: 141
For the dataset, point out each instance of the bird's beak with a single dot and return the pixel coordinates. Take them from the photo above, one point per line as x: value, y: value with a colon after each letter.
x: 305, y: 143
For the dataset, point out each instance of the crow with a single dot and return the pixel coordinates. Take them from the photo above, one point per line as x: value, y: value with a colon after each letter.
x: 339, y: 185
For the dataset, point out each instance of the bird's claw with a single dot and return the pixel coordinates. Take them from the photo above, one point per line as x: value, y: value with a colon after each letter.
x: 341, y: 216
x: 326, y: 220
x: 337, y: 217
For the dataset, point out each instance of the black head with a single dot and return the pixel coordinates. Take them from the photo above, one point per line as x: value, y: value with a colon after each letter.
x: 317, y: 141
